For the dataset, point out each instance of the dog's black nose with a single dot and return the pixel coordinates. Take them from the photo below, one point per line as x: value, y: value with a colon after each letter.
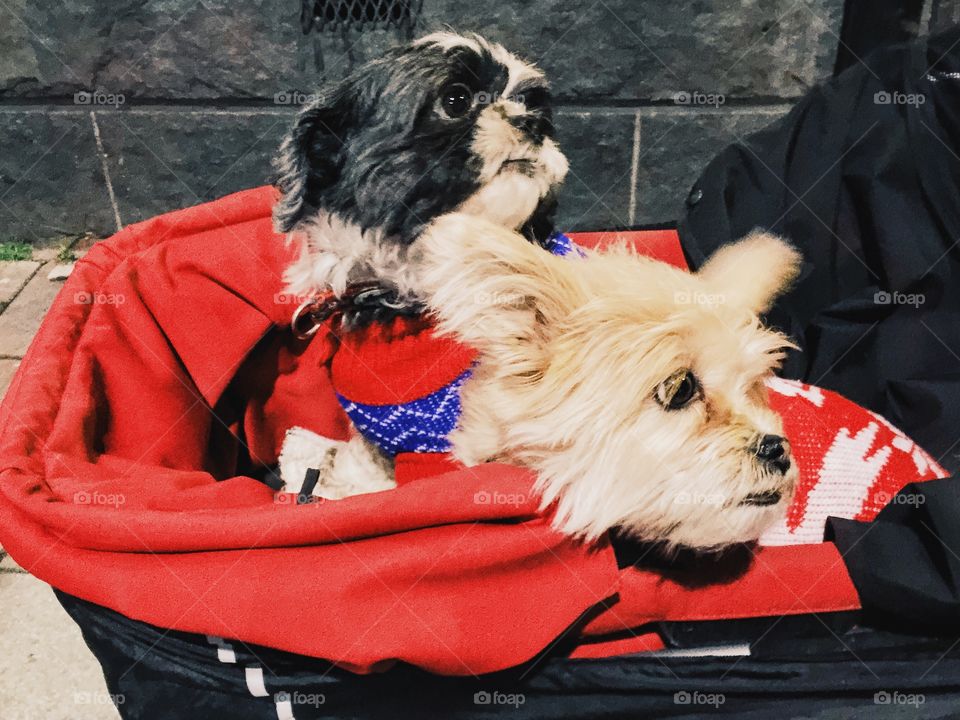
x: 535, y: 125
x: 770, y: 448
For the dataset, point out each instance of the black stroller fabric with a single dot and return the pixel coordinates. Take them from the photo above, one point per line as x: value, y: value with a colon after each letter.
x: 805, y: 670
x: 904, y: 563
x: 864, y: 178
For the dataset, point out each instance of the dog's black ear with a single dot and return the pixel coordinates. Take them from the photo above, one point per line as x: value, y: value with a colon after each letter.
x: 311, y: 156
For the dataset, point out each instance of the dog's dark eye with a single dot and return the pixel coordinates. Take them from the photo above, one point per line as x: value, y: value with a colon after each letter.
x: 678, y: 390
x: 536, y: 98
x: 456, y: 100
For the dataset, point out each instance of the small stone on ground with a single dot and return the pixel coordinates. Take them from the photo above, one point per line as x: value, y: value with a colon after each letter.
x: 61, y: 271
x: 13, y: 276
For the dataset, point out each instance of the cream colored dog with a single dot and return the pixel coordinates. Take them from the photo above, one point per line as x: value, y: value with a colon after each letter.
x: 635, y: 390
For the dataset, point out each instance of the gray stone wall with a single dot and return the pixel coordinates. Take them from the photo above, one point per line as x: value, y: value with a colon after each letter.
x: 114, y: 110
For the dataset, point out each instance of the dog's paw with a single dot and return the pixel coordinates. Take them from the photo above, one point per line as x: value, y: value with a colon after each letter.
x: 302, y: 450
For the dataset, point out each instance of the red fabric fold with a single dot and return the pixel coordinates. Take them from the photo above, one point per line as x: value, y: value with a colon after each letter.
x: 163, y: 377
x: 121, y: 481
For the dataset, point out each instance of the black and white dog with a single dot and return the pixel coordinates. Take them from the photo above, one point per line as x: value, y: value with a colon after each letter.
x: 447, y: 123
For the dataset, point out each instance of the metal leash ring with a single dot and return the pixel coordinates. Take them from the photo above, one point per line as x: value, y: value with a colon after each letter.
x: 315, y: 311
x: 376, y: 295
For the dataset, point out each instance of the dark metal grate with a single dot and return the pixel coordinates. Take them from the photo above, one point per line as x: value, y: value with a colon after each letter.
x: 342, y: 15
x: 944, y: 14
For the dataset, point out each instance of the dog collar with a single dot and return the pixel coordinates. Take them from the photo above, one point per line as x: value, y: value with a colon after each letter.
x: 313, y: 312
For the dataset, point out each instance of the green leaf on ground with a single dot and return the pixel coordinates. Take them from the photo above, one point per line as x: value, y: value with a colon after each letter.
x: 13, y: 250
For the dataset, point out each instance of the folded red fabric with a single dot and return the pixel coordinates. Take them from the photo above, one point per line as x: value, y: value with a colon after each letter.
x: 163, y: 377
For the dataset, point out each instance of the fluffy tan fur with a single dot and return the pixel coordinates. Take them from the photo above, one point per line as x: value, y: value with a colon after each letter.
x: 572, y: 351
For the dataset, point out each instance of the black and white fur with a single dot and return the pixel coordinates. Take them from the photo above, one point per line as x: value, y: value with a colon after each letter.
x: 372, y: 160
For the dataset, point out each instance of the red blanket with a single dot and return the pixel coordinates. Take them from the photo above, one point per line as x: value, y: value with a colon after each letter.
x: 162, y: 375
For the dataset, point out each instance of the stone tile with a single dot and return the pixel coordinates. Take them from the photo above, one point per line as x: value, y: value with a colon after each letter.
x: 163, y: 159
x: 20, y: 321
x: 596, y: 193
x: 13, y: 276
x: 621, y: 49
x: 46, y: 670
x: 43, y: 46
x: 53, y: 184
x: 629, y: 49
x: 675, y: 146
x: 173, y: 49
x: 8, y: 366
